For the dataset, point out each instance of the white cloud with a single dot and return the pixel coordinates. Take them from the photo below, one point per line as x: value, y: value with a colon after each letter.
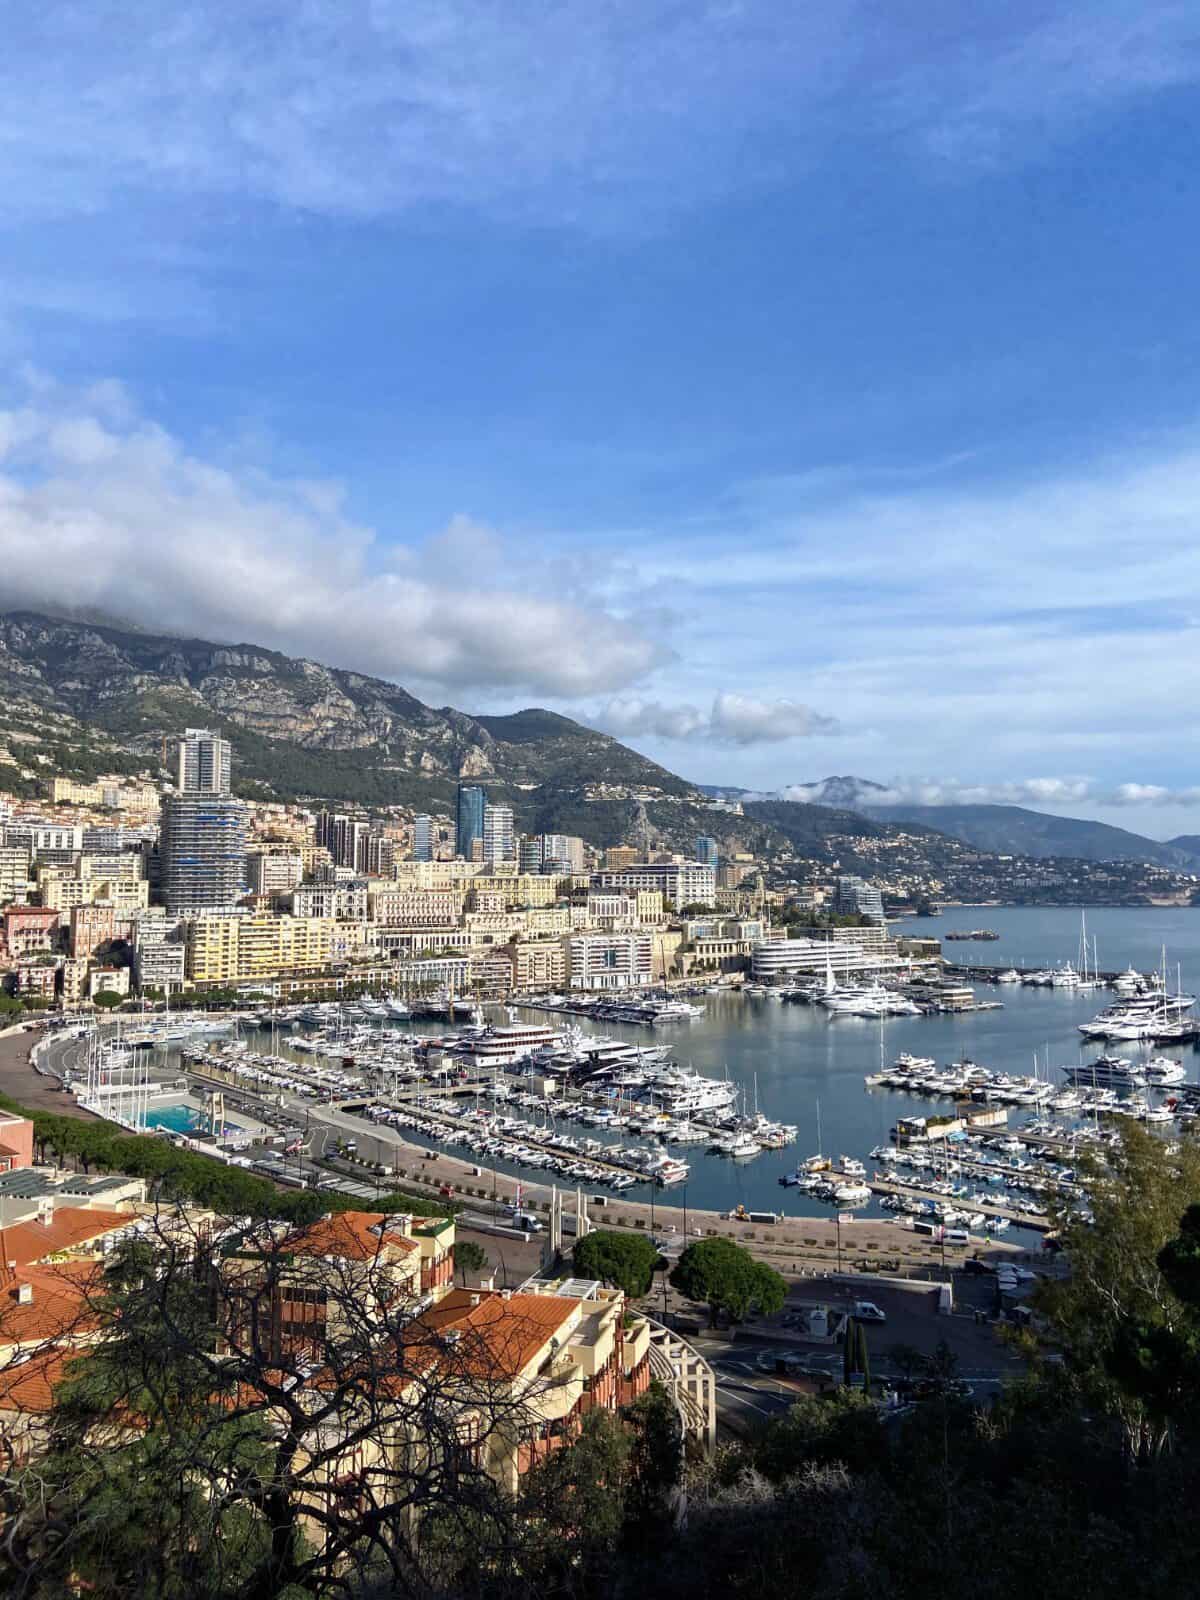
x: 1053, y: 794
x: 732, y: 719
x: 101, y: 508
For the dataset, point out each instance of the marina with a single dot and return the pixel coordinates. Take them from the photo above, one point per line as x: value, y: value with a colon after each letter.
x: 709, y: 1110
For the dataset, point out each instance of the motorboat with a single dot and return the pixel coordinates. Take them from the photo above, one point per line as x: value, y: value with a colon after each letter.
x: 1161, y: 1070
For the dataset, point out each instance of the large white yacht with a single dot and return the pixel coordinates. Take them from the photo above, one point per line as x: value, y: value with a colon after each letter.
x: 498, y: 1046
x: 1149, y: 1016
x: 684, y: 1092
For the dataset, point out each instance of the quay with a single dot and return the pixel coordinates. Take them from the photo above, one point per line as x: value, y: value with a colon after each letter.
x: 908, y: 1191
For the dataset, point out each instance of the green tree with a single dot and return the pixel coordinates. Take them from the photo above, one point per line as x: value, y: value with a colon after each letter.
x: 575, y: 1503
x: 849, y: 1350
x: 728, y: 1278
x: 1116, y: 1290
x: 469, y: 1257
x: 655, y: 1467
x: 626, y: 1261
x: 864, y: 1358
x: 107, y: 999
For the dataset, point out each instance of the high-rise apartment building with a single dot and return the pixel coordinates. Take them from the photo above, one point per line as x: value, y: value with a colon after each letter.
x: 857, y: 897
x: 346, y: 838
x: 499, y: 838
x: 423, y: 838
x: 562, y: 853
x: 378, y: 855
x: 706, y: 850
x: 202, y: 850
x: 472, y: 802
x: 203, y: 762
x: 271, y: 872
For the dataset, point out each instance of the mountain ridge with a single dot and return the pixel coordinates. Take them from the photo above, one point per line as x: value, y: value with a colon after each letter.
x: 137, y: 687
x: 1002, y: 829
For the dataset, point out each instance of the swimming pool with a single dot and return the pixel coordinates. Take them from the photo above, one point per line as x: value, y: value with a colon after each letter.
x: 182, y: 1118
x: 176, y: 1119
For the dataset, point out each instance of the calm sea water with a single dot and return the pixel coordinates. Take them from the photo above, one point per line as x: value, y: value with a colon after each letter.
x: 1031, y: 937
x: 802, y: 1066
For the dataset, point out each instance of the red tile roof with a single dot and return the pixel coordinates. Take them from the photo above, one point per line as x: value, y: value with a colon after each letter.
x: 30, y: 1385
x: 67, y: 1229
x: 500, y: 1335
x: 351, y: 1236
x: 60, y: 1306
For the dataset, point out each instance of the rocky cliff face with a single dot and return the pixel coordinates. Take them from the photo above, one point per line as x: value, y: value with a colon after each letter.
x: 140, y: 687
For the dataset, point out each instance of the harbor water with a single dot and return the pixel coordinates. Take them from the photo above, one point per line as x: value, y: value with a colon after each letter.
x: 801, y: 1065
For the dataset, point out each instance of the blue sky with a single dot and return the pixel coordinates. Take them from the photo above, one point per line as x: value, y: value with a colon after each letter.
x: 790, y: 394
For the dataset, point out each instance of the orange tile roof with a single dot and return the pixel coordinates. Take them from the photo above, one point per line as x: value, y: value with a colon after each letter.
x: 499, y: 1336
x: 350, y: 1236
x: 30, y: 1385
x: 60, y: 1305
x: 67, y: 1229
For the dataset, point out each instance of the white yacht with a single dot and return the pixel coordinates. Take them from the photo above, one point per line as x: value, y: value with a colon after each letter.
x: 499, y: 1046
x: 1148, y: 1016
x: 684, y: 1092
x: 1010, y: 975
x: 1161, y: 1070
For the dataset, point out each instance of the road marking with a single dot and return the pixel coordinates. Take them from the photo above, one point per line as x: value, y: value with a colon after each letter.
x: 739, y: 1400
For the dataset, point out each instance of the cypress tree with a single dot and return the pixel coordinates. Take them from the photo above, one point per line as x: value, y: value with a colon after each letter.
x: 864, y: 1360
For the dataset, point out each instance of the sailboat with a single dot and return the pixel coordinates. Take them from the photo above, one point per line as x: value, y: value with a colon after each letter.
x: 1085, y: 981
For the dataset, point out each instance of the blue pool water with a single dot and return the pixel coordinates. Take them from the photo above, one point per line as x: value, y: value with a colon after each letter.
x: 176, y: 1119
x: 184, y: 1119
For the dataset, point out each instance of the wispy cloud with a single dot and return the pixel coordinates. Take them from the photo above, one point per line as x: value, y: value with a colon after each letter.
x: 576, y: 112
x: 101, y: 507
x: 732, y: 719
x: 1054, y: 794
x: 985, y: 103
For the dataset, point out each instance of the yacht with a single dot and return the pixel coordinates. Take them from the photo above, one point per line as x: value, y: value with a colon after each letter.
x: 1161, y: 1070
x: 1011, y: 975
x: 1109, y: 1072
x: 499, y: 1046
x: 1129, y: 982
x: 867, y: 1000
x: 684, y: 1092
x: 1150, y: 1016
x: 741, y: 1146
